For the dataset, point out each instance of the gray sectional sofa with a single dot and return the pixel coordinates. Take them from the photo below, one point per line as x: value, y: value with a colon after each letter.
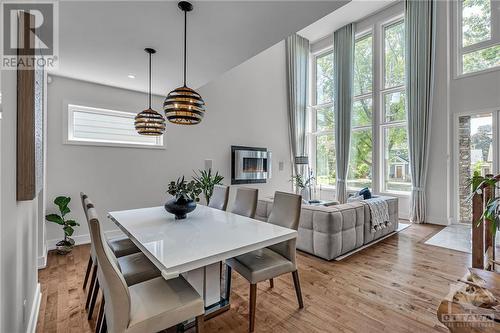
x: 331, y: 231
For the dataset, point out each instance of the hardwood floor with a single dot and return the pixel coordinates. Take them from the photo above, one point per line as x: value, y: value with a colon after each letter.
x: 393, y: 286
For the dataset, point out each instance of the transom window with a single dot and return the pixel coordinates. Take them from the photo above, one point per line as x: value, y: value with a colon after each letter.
x: 102, y: 127
x: 478, y: 37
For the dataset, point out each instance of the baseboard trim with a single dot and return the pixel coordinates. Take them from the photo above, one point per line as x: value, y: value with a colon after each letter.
x: 35, y: 309
x: 83, y: 239
x: 42, y: 261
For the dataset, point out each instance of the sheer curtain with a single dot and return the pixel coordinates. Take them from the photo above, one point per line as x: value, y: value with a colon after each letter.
x: 343, y: 71
x: 420, y: 24
x: 297, y: 64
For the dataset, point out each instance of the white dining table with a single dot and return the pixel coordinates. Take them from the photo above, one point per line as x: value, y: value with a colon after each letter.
x: 197, y: 246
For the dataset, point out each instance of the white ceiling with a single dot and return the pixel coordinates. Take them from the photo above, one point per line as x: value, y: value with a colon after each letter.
x: 103, y: 41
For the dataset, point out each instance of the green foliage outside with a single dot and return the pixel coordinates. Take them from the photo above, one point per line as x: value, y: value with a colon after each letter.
x: 361, y: 162
x: 476, y: 28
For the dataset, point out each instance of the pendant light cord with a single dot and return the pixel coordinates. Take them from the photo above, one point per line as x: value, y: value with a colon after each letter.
x: 149, y: 80
x: 185, y: 47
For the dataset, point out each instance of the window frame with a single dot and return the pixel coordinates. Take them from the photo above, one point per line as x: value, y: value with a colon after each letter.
x: 69, y: 139
x: 369, y: 95
x: 372, y: 24
x: 458, y: 41
x: 312, y: 132
x: 382, y: 123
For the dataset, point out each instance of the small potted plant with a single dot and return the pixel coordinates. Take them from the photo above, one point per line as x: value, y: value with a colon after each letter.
x: 66, y: 245
x: 207, y: 181
x: 303, y: 186
x: 186, y: 194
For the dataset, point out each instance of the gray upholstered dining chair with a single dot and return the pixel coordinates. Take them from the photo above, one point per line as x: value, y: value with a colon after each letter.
x: 219, y: 198
x: 149, y: 306
x: 121, y: 246
x: 245, y: 203
x: 135, y: 267
x: 275, y: 260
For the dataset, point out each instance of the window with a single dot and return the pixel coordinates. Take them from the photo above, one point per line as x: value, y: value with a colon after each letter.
x: 361, y: 154
x: 379, y: 156
x: 396, y: 163
x: 93, y: 126
x: 479, y: 36
x: 322, y: 115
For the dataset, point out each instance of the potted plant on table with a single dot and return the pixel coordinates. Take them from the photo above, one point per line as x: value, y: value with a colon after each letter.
x: 207, y: 181
x: 186, y: 194
x: 66, y: 245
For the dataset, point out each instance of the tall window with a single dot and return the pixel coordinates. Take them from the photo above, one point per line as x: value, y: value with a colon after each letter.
x: 323, y: 119
x: 479, y: 36
x: 394, y: 134
x: 361, y: 154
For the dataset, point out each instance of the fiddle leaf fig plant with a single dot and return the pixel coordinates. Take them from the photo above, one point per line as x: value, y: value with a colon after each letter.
x: 207, y: 181
x: 61, y: 219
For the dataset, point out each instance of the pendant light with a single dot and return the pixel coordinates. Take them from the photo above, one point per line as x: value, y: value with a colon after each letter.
x: 149, y: 122
x: 184, y: 105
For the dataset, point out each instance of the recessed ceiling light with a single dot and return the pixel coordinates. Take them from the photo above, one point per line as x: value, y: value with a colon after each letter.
x: 131, y: 76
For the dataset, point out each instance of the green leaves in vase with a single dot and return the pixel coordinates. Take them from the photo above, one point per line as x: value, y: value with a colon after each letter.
x: 207, y: 181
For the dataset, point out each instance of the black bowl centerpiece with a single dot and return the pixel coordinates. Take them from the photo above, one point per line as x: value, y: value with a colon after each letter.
x: 186, y: 194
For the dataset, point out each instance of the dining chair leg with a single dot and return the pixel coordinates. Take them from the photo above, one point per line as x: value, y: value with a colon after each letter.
x: 95, y: 292
x: 271, y: 283
x: 199, y: 324
x: 251, y: 310
x: 87, y: 273
x: 100, y: 316
x: 296, y: 283
x: 91, y: 286
x: 104, y: 325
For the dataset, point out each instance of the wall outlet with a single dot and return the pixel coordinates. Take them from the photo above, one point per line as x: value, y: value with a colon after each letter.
x: 281, y: 165
x: 208, y: 164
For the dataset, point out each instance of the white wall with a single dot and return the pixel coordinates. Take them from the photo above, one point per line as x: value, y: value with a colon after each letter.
x: 452, y: 96
x: 246, y: 106
x: 18, y: 228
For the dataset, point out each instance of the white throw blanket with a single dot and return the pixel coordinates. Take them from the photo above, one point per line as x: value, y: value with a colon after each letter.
x: 379, y: 210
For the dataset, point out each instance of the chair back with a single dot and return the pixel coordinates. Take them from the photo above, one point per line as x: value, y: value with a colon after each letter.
x: 219, y: 197
x: 114, y: 287
x: 286, y: 213
x: 86, y: 203
x: 83, y: 196
x: 245, y: 203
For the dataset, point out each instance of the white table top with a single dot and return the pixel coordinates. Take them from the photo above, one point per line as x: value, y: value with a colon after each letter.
x: 205, y: 237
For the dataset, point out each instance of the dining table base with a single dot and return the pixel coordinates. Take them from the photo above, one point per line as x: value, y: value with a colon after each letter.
x: 219, y: 307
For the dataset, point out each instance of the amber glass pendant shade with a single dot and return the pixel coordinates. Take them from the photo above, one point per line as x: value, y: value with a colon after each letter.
x: 183, y: 105
x: 149, y: 122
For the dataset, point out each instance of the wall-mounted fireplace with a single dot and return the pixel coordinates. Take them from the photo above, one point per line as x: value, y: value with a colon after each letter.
x: 250, y: 165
